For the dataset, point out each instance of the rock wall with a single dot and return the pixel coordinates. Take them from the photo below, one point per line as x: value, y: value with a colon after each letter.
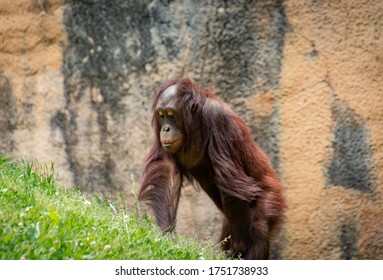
x: 76, y: 79
x: 331, y: 140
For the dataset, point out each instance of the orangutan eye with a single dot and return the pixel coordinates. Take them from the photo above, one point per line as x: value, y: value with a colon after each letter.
x: 160, y: 114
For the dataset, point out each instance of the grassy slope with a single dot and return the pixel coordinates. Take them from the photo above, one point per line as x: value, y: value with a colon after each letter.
x: 39, y: 220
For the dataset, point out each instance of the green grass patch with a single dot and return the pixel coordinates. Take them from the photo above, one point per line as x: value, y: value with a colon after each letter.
x: 40, y: 220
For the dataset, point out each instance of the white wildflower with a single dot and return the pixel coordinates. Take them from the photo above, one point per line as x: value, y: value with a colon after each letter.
x: 107, y: 248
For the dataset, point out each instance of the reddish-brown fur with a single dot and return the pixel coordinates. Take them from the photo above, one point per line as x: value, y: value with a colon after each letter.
x: 219, y: 154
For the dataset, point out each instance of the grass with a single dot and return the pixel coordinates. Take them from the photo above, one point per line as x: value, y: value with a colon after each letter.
x: 40, y: 220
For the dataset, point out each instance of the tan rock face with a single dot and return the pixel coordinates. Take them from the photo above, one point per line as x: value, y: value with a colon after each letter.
x: 31, y: 82
x: 306, y: 76
x: 331, y: 107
